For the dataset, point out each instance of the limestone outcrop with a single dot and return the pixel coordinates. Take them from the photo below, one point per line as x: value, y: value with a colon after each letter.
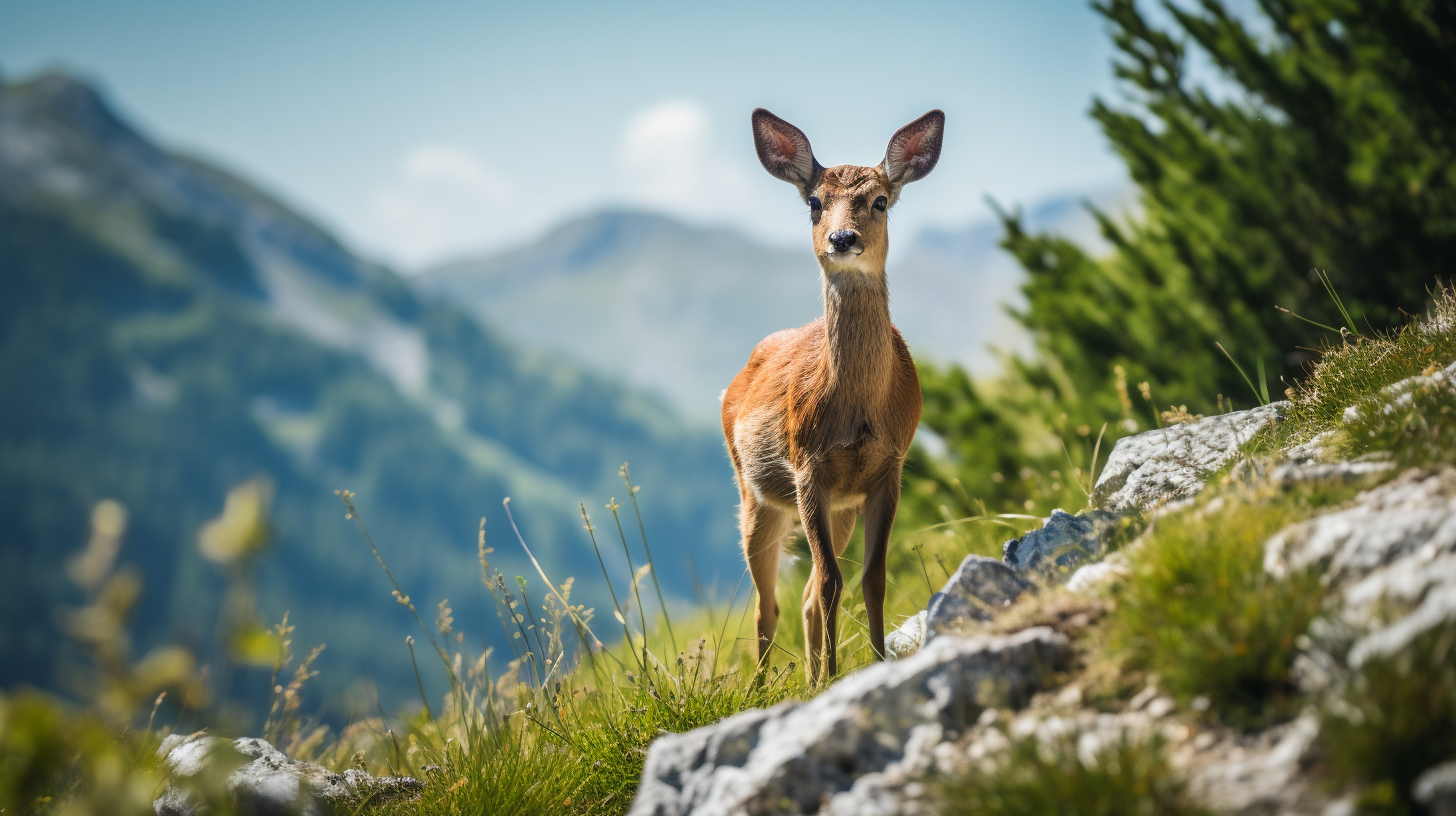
x: 268, y: 783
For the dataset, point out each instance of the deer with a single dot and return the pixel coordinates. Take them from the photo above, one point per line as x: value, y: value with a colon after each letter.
x: 819, y: 422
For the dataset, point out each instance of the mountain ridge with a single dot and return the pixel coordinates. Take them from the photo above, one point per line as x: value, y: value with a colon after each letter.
x: 676, y: 308
x: 171, y: 330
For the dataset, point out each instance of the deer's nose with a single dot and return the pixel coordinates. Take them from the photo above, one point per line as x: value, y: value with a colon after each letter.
x: 842, y: 240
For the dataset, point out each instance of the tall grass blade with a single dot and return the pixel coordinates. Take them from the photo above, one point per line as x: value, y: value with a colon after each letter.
x: 1339, y: 304
x: 1240, y: 369
x: 1096, y: 453
x: 662, y: 603
x: 1307, y: 320
x: 596, y: 644
x: 613, y: 506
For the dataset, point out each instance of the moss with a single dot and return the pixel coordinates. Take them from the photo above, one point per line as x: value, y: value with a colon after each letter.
x: 1035, y: 778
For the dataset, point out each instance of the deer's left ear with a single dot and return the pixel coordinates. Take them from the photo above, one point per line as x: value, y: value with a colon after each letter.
x: 914, y: 149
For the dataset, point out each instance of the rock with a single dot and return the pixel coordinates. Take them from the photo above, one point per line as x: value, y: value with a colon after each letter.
x: 271, y: 783
x: 1092, y: 577
x: 1150, y: 468
x: 1257, y: 774
x: 1390, y: 560
x: 1063, y: 542
x: 979, y: 587
x: 852, y: 748
x: 1436, y: 789
x: 907, y: 639
x: 1400, y: 395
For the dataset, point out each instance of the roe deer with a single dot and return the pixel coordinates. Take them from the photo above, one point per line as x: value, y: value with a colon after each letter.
x: 819, y: 421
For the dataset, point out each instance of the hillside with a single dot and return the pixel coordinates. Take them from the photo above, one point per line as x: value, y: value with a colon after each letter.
x: 676, y: 308
x: 169, y: 330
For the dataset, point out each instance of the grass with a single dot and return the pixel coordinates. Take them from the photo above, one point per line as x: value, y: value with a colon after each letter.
x: 1395, y: 719
x: 1353, y: 373
x: 1036, y: 778
x: 566, y: 726
x: 1199, y: 611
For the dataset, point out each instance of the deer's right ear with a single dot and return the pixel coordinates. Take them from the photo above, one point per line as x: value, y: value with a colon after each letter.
x: 784, y: 151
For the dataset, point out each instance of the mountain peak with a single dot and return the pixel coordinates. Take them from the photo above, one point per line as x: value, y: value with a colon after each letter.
x: 71, y: 102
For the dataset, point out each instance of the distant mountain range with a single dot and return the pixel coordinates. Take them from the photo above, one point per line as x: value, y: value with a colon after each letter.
x: 167, y: 330
x: 676, y: 308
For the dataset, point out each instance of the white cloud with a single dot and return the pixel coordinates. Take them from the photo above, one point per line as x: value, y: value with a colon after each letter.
x: 671, y: 161
x: 442, y: 199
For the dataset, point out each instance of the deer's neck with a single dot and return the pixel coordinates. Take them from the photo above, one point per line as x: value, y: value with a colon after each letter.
x: 859, y: 343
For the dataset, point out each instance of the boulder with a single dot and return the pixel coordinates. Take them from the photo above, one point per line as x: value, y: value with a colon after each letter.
x: 1389, y: 557
x: 1063, y: 542
x: 270, y: 783
x: 853, y: 747
x: 979, y: 587
x: 907, y: 639
x: 1150, y: 468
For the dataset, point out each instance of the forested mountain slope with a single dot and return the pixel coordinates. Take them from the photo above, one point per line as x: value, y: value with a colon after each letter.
x: 168, y: 330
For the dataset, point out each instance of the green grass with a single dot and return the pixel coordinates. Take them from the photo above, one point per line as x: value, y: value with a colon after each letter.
x: 1035, y: 778
x: 1199, y: 611
x: 1353, y: 374
x: 1395, y: 719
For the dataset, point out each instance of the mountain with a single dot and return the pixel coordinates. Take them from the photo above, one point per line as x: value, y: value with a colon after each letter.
x: 664, y: 305
x: 168, y: 329
x: 676, y: 308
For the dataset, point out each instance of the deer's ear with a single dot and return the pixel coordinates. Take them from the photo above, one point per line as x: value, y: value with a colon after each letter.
x: 914, y: 149
x: 784, y: 151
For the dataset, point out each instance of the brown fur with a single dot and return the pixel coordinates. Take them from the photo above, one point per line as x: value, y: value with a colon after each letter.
x: 819, y: 421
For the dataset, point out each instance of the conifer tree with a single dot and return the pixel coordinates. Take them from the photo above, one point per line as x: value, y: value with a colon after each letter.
x: 1327, y: 141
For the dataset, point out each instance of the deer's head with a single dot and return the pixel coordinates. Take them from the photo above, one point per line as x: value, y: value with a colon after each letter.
x: 849, y: 205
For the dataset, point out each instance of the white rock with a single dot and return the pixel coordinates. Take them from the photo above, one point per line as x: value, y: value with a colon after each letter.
x: 853, y: 748
x: 1171, y: 463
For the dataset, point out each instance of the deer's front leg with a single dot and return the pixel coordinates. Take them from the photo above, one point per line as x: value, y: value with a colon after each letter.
x: 828, y: 583
x: 879, y: 515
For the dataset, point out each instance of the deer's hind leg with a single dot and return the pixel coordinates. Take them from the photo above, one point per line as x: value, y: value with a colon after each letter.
x: 764, y: 528
x: 841, y: 527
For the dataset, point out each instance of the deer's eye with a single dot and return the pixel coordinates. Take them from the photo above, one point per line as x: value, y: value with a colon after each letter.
x: 881, y: 203
x: 815, y: 204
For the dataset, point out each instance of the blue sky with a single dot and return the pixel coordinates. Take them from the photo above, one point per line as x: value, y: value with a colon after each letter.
x: 425, y: 130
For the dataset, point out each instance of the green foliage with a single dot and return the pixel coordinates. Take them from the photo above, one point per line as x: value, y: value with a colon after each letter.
x: 1036, y: 778
x: 56, y: 760
x: 1332, y: 149
x: 1395, y: 719
x: 1200, y: 612
x: 1324, y: 139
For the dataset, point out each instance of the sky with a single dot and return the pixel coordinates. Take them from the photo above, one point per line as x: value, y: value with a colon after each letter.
x: 433, y: 130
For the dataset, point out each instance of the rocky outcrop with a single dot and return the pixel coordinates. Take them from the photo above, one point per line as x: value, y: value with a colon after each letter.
x: 875, y: 742
x: 1389, y: 557
x: 1143, y: 472
x: 269, y: 783
x: 1063, y: 542
x: 1148, y: 469
x: 979, y: 588
x: 853, y: 748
